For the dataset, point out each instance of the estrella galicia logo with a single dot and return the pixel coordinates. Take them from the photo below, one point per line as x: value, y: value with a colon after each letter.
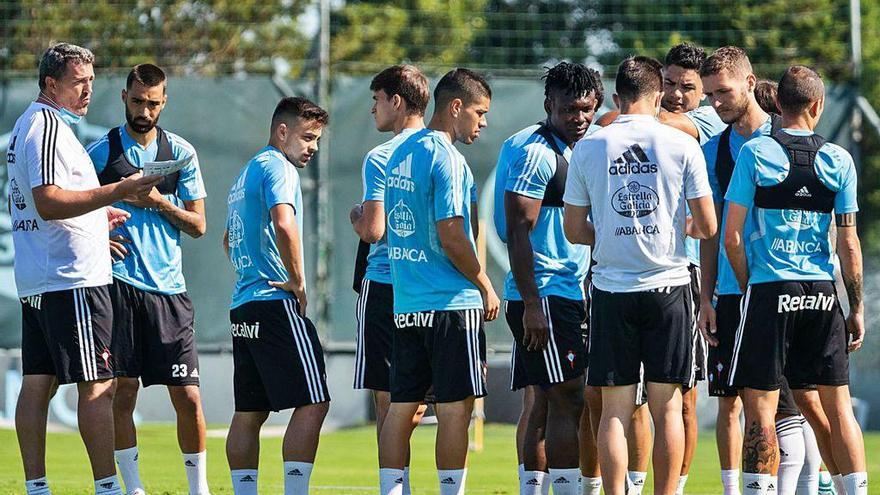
x: 15, y: 194
x: 800, y: 219
x: 634, y: 200
x: 401, y: 220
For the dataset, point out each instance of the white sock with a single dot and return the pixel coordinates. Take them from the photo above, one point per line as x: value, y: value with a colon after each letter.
x: 520, y: 472
x: 127, y: 460
x: 808, y: 481
x: 730, y: 481
x: 452, y: 481
x: 390, y: 481
x: 682, y: 480
x: 856, y: 483
x: 839, y: 487
x: 791, y: 454
x: 296, y: 477
x: 39, y: 486
x: 565, y: 481
x: 591, y: 486
x: 196, y: 467
x: 244, y: 481
x: 407, y: 489
x: 636, y: 481
x: 108, y: 486
x: 533, y: 482
x: 756, y: 484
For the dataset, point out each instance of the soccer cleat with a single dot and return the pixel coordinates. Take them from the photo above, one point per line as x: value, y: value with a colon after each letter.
x: 826, y: 486
x: 138, y: 491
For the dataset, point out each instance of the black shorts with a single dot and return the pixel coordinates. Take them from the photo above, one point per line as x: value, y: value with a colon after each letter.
x: 153, y: 336
x: 565, y: 356
x: 439, y: 351
x: 68, y: 334
x: 791, y: 329
x: 786, y: 406
x: 279, y: 361
x: 700, y: 346
x: 726, y: 323
x: 653, y: 329
x: 375, y: 319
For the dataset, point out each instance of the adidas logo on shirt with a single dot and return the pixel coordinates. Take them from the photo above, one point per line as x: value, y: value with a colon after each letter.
x: 803, y: 193
x: 447, y: 481
x: 247, y: 479
x: 633, y: 161
x: 294, y: 472
x: 189, y: 463
x: 401, y: 176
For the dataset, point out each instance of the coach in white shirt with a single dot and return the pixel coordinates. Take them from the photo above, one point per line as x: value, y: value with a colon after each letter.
x: 60, y: 224
x: 634, y: 176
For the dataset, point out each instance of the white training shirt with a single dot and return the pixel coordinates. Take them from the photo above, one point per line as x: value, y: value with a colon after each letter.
x: 53, y: 255
x: 635, y: 174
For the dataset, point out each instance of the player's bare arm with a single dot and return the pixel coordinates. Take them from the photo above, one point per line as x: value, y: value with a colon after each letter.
x: 734, y: 243
x: 55, y: 203
x: 849, y: 250
x: 287, y: 239
x: 460, y: 251
x: 522, y: 215
x: 577, y: 226
x: 681, y: 122
x: 704, y: 224
x: 189, y: 219
x: 708, y: 278
x: 368, y: 220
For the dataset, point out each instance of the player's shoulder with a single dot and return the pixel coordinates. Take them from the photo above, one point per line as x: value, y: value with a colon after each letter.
x: 180, y: 143
x: 674, y: 136
x: 838, y: 156
x: 710, y: 147
x: 99, y: 146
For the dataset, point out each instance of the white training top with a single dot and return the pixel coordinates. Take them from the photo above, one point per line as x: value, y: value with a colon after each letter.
x: 53, y: 255
x: 635, y: 174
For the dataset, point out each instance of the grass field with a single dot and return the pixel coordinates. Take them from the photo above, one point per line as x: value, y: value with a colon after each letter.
x: 346, y: 464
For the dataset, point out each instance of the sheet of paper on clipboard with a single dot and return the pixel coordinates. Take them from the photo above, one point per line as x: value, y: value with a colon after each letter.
x: 167, y: 167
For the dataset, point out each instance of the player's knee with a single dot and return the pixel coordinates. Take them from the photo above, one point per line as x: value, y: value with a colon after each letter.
x: 186, y: 400
x: 95, y: 391
x: 567, y: 396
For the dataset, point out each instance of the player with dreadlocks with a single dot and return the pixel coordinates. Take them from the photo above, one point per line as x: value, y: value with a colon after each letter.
x: 544, y: 291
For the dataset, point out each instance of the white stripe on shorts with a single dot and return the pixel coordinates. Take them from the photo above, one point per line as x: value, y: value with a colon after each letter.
x: 306, y: 352
x: 551, y: 351
x: 360, y: 364
x: 86, y: 337
x: 743, y: 307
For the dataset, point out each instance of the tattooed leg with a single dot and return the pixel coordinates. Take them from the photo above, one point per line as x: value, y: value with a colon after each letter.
x: 760, y: 446
x: 760, y: 449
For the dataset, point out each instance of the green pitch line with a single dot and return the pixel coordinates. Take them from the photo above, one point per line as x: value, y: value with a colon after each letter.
x: 346, y: 464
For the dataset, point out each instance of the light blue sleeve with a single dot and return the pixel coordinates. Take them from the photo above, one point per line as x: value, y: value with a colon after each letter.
x: 845, y: 200
x: 447, y: 179
x: 190, y: 185
x: 707, y: 122
x: 279, y: 184
x: 374, y: 178
x: 99, y: 151
x: 742, y: 184
x: 531, y: 171
x: 474, y: 197
x: 710, y: 152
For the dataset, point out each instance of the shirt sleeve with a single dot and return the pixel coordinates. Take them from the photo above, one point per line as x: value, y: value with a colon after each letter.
x: 279, y: 184
x: 373, y: 178
x: 531, y: 171
x: 710, y: 154
x: 99, y: 151
x: 696, y: 181
x: 845, y: 200
x: 742, y: 183
x: 190, y: 186
x: 707, y: 122
x: 45, y: 163
x: 474, y: 197
x: 575, y: 184
x: 447, y: 179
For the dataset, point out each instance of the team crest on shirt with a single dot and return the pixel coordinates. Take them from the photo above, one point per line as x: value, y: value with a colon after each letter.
x: 800, y: 219
x: 15, y: 195
x: 401, y: 220
x: 634, y: 200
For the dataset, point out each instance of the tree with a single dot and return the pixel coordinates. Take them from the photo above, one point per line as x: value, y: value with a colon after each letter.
x: 205, y: 37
